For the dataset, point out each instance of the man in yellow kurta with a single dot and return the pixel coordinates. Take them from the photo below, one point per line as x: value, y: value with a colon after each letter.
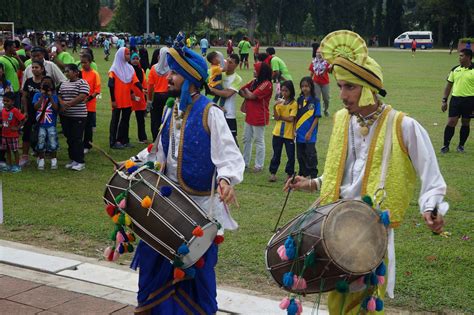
x: 357, y: 145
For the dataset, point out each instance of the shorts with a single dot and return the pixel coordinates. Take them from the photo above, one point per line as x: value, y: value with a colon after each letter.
x: 107, y: 51
x: 244, y: 57
x: 461, y: 106
x: 10, y: 144
x: 413, y: 49
x: 47, y: 139
x: 203, y: 51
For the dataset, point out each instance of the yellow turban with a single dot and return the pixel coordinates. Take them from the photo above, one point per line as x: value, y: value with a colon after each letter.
x: 348, y: 54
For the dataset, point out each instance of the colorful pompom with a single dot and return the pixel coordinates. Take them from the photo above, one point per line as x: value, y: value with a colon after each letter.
x: 381, y: 269
x: 368, y: 200
x: 121, y: 219
x: 190, y: 272
x: 166, y: 191
x: 150, y: 165
x: 183, y: 249
x: 115, y: 218
x: 299, y: 283
x: 288, y: 279
x: 177, y: 262
x: 378, y: 305
x: 110, y: 209
x: 123, y: 203
x: 284, y: 303
x: 198, y: 232
x: 290, y: 248
x: 132, y: 169
x: 130, y: 248
x: 120, y: 196
x: 219, y: 239
x: 120, y: 238
x: 200, y: 263
x: 292, y: 308
x: 149, y: 148
x: 121, y: 249
x: 128, y: 220
x: 364, y: 303
x: 300, y: 307
x: 107, y: 252
x: 282, y: 253
x: 157, y: 166
x: 385, y: 218
x: 131, y: 237
x: 371, y: 305
x: 373, y: 279
x: 342, y: 286
x: 115, y: 256
x: 129, y: 163
x: 381, y: 279
x: 146, y: 202
x: 178, y: 273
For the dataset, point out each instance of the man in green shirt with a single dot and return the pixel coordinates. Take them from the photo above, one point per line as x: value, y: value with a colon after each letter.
x: 61, y: 57
x: 244, y: 51
x: 12, y: 64
x: 461, y: 82
x: 279, y: 68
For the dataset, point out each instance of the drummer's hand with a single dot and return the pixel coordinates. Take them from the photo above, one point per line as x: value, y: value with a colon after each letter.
x: 299, y: 183
x: 435, y: 224
x: 226, y: 192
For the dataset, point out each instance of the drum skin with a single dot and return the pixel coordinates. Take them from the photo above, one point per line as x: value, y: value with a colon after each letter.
x: 145, y: 223
x: 348, y: 240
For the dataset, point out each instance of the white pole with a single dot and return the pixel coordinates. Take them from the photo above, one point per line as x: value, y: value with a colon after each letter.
x: 1, y: 203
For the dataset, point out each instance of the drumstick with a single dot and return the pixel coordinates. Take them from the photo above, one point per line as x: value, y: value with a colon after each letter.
x: 284, y: 204
x: 116, y: 164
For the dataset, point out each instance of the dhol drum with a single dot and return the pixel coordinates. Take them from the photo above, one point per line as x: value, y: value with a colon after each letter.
x: 345, y: 239
x: 168, y: 224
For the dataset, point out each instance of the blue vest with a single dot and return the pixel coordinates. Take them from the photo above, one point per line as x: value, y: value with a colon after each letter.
x: 195, y: 167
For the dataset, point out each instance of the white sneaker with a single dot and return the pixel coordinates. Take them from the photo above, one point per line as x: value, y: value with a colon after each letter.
x: 41, y: 164
x: 54, y: 164
x: 79, y: 166
x: 86, y: 151
x: 70, y: 164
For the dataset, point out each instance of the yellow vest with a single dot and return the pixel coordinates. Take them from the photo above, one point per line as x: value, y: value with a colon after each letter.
x: 401, y: 177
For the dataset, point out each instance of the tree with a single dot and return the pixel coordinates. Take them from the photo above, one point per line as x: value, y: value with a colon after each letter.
x: 308, y: 26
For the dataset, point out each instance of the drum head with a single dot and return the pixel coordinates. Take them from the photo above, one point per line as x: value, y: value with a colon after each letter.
x: 354, y: 238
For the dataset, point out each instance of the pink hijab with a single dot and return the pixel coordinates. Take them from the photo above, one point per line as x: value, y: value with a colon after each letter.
x: 121, y: 68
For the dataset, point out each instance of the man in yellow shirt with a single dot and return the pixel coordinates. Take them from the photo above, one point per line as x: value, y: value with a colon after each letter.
x: 461, y: 83
x: 358, y: 164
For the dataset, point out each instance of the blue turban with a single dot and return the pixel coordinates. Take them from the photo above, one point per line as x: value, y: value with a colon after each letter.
x: 190, y: 65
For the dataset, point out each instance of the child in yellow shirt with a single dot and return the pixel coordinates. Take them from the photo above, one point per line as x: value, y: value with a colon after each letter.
x: 215, y: 76
x: 284, y: 113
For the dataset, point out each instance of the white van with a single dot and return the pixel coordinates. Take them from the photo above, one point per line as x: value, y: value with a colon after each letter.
x: 424, y: 40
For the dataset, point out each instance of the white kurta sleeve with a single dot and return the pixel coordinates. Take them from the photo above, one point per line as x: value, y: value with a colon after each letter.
x: 225, y: 154
x: 423, y: 157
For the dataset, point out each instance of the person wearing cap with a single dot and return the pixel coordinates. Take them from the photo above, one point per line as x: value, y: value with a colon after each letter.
x: 198, y: 151
x: 25, y: 50
x: 356, y: 161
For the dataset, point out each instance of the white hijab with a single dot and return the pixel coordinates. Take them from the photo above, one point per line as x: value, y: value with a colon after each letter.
x: 122, y: 69
x: 162, y: 66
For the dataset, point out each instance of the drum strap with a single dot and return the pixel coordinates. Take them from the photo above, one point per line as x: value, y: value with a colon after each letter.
x: 158, y: 136
x: 213, y: 190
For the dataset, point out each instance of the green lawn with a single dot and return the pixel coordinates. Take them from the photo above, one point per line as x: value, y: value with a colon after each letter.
x: 64, y: 210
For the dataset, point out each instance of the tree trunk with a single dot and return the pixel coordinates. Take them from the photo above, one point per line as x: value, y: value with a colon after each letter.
x: 440, y: 33
x: 252, y: 21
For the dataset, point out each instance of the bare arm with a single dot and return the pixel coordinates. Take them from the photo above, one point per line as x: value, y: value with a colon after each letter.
x: 222, y: 93
x: 447, y: 91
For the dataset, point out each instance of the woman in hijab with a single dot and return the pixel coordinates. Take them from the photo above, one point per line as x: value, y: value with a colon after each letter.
x: 138, y: 98
x: 122, y: 80
x: 158, y: 89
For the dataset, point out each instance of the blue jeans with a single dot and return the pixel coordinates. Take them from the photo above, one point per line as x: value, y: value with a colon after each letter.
x: 47, y: 139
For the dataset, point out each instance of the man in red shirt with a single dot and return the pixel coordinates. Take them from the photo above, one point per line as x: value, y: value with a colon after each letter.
x: 319, y: 69
x: 413, y: 47
x: 12, y: 120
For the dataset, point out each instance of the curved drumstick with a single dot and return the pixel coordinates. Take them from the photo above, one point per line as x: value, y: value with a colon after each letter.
x: 116, y: 164
x: 284, y: 204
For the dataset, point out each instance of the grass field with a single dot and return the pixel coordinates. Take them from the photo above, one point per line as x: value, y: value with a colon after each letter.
x: 64, y: 209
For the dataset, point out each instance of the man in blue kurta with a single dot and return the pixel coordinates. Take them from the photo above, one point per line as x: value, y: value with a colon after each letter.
x: 195, y: 146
